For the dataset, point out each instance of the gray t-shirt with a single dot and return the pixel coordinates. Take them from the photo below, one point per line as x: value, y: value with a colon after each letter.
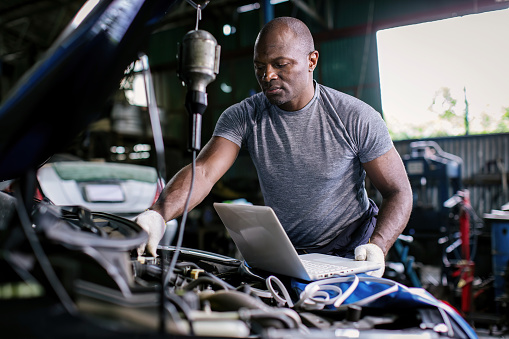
x: 309, y: 162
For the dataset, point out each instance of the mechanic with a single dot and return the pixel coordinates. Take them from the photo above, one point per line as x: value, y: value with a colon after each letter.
x: 312, y: 147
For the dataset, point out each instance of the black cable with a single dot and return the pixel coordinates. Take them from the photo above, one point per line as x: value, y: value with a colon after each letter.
x: 185, y: 308
x: 187, y: 263
x: 167, y: 276
x: 182, y: 223
x: 23, y: 273
x: 206, y: 280
x: 39, y: 253
x: 220, y: 281
x: 172, y: 311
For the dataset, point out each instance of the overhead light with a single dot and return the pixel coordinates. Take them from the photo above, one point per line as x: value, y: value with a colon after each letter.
x: 229, y: 30
x: 256, y: 5
x: 141, y: 148
x: 248, y: 8
x: 117, y: 149
x: 225, y: 88
x: 137, y: 156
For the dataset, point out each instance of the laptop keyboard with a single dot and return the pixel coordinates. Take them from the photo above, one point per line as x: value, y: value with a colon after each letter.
x: 313, y: 267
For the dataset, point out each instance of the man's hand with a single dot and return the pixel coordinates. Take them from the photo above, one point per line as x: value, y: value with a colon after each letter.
x: 154, y: 224
x: 371, y: 252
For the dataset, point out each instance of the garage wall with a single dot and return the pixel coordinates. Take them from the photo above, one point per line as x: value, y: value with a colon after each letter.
x: 345, y: 35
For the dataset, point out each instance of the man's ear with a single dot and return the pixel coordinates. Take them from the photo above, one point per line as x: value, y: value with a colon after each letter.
x: 313, y: 60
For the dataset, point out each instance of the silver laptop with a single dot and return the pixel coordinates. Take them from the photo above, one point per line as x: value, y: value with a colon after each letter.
x: 264, y: 244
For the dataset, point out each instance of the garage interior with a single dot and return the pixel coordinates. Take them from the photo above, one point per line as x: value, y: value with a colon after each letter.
x: 459, y: 182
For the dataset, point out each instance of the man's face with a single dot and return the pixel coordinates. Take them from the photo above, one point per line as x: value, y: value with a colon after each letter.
x: 282, y: 69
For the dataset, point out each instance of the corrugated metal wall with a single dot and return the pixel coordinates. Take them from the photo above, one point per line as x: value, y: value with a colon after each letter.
x: 484, y: 169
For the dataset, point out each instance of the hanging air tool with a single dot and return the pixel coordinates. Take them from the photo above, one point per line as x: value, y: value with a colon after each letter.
x: 198, y: 65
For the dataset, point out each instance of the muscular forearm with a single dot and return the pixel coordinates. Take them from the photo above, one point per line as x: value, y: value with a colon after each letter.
x: 211, y: 164
x: 172, y: 200
x: 392, y: 219
x: 389, y: 176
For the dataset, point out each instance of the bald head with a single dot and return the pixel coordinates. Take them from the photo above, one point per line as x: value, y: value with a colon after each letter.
x: 284, y: 60
x: 301, y: 34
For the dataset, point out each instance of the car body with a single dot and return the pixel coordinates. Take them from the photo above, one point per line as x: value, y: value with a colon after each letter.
x: 121, y: 189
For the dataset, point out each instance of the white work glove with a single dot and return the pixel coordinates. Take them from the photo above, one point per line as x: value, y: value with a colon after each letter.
x: 153, y: 223
x: 371, y: 252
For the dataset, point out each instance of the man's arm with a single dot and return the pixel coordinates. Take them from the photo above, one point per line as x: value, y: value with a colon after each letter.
x: 389, y: 176
x: 212, y: 162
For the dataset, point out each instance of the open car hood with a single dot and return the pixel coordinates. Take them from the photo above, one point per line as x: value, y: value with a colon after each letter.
x: 70, y: 86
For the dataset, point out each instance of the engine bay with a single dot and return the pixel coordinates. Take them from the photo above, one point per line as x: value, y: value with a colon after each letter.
x: 68, y: 270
